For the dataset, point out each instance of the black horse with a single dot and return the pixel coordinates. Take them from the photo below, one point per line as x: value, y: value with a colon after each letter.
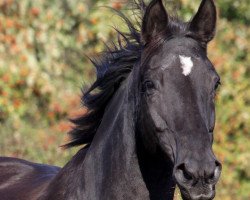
x: 150, y: 121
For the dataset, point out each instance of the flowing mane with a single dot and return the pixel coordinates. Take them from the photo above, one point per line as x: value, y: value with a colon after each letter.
x: 149, y: 124
x: 111, y: 69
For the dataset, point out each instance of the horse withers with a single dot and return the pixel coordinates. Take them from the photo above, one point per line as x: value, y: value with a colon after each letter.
x: 150, y: 120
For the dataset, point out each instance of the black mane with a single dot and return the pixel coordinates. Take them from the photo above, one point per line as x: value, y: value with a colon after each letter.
x: 111, y: 69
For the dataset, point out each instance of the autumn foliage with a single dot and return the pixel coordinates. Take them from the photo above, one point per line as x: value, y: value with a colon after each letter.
x: 43, y: 67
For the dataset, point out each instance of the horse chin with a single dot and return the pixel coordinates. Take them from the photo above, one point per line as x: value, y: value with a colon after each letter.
x: 186, y: 195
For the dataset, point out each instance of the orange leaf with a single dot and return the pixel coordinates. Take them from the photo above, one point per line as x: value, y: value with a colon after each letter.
x: 10, y: 23
x: 117, y: 5
x: 35, y: 11
x: 6, y: 78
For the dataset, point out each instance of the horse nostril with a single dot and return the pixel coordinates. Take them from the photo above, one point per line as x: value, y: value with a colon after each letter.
x: 218, y: 164
x: 217, y: 170
x: 214, y: 176
x: 211, y: 176
x: 182, y: 174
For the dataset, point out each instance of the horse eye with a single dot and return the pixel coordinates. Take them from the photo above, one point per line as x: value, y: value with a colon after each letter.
x: 147, y: 85
x: 217, y: 85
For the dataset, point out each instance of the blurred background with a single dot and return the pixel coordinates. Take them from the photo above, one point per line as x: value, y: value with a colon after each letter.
x: 43, y: 67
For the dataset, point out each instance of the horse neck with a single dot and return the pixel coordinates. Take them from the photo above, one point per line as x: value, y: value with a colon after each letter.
x: 110, y: 168
x: 157, y: 172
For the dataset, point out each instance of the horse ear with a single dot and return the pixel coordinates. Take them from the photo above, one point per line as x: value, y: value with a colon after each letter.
x: 155, y: 20
x: 203, y: 24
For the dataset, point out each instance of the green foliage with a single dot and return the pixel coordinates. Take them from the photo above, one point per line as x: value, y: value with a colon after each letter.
x: 233, y: 107
x: 43, y: 65
x: 235, y: 10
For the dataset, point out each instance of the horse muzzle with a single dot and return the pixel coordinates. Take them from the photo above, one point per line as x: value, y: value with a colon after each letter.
x: 196, y: 181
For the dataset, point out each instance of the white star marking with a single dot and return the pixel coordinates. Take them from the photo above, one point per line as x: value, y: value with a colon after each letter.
x: 186, y: 65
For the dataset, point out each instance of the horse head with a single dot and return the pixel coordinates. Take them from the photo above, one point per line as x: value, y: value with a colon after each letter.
x: 178, y: 85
